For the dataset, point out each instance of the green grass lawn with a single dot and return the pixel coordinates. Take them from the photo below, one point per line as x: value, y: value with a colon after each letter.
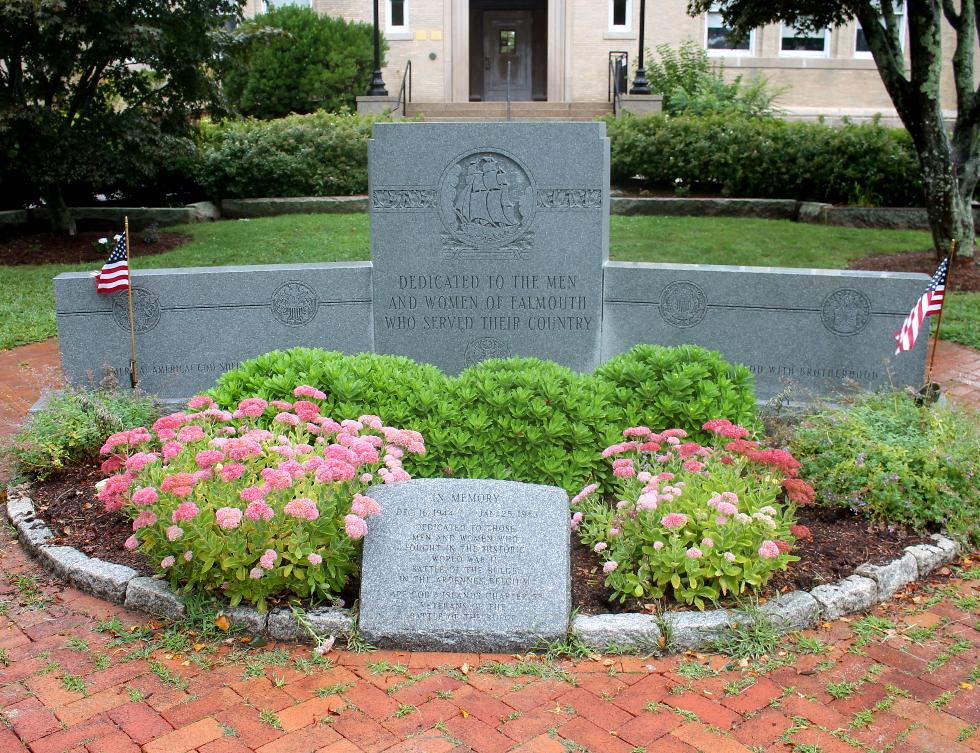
x: 27, y: 298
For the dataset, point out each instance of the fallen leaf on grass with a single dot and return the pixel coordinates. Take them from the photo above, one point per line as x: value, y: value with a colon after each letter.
x: 222, y: 623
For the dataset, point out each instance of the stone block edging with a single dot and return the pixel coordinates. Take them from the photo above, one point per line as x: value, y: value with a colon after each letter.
x: 691, y: 631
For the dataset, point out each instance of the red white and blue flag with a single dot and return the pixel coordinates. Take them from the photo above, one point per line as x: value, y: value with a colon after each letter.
x: 114, y: 274
x: 931, y: 302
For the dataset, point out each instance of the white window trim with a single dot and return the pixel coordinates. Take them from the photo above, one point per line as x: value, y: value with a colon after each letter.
x: 398, y: 32
x: 625, y: 28
x: 804, y: 53
x: 727, y: 52
x: 902, y: 34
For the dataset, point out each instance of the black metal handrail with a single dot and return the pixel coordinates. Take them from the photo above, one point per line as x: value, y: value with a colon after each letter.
x: 618, y: 77
x: 508, y: 92
x: 402, y: 100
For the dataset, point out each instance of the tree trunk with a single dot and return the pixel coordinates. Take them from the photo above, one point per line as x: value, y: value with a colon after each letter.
x: 61, y: 219
x: 950, y: 213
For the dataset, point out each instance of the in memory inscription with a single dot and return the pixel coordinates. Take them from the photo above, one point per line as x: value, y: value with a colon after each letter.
x: 497, y: 250
x: 465, y: 564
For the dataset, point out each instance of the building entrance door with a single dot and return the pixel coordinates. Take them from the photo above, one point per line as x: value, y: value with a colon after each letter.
x: 507, y: 39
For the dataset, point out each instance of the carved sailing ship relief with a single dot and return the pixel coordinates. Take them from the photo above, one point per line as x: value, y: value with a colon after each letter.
x: 487, y: 205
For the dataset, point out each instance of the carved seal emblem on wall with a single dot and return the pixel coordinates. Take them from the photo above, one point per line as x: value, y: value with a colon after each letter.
x: 294, y: 304
x: 683, y: 304
x: 146, y: 310
x: 482, y: 349
x: 846, y: 311
x: 486, y: 200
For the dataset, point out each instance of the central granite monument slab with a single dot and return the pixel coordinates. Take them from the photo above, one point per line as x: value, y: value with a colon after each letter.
x: 488, y: 240
x: 466, y: 565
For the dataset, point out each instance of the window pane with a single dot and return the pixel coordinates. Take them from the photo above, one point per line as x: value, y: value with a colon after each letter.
x: 397, y: 12
x: 798, y: 41
x: 720, y: 37
x: 619, y: 12
x: 283, y: 3
x: 861, y: 44
x: 508, y: 42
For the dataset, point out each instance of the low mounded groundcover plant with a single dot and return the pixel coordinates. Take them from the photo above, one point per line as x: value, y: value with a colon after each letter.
x: 223, y: 506
x: 693, y: 522
x: 518, y: 419
x: 890, y: 458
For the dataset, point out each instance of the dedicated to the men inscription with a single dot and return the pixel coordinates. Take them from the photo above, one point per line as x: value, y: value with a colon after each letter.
x: 466, y: 564
x: 504, y: 255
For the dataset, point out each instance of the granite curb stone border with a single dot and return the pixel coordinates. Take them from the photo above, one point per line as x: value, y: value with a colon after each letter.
x: 870, y: 585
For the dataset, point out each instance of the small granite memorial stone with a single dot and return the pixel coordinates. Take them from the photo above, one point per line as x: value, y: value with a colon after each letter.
x: 488, y: 240
x: 466, y: 565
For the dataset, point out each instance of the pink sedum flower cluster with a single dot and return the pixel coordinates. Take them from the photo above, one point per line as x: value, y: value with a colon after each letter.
x: 678, y: 528
x: 254, y: 501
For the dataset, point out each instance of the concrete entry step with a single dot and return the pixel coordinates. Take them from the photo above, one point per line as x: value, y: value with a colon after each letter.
x: 477, y: 111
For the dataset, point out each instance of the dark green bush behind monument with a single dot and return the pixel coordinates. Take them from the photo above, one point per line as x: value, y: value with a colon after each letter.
x: 294, y: 60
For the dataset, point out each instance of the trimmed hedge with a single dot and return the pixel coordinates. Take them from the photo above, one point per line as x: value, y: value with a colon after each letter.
x: 321, y: 154
x: 769, y: 158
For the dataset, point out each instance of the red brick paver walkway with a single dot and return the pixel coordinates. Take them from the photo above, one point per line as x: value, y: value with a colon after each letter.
x: 957, y: 369
x: 78, y: 675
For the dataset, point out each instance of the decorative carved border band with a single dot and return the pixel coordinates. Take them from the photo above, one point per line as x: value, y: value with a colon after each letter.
x: 403, y: 199
x: 569, y: 198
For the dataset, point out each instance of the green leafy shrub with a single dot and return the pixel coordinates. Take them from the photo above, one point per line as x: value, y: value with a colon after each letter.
x: 301, y: 155
x: 694, y: 85
x: 768, y: 158
x: 895, y: 461
x: 682, y: 386
x: 222, y: 505
x: 403, y: 392
x: 70, y: 428
x: 519, y: 419
x: 692, y: 522
x: 524, y: 419
x: 295, y: 60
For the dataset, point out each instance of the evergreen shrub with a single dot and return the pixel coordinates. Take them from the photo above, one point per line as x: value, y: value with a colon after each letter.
x: 320, y: 154
x: 768, y: 158
x: 295, y: 60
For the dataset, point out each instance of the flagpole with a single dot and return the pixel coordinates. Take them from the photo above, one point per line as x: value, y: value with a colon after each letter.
x: 942, y: 307
x: 129, y: 292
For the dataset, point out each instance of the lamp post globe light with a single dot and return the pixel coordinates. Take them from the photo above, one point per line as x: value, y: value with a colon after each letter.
x: 377, y: 88
x: 640, y: 83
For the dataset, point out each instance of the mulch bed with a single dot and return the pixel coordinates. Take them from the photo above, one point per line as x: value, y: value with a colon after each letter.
x: 841, y: 541
x: 965, y: 275
x: 59, y: 248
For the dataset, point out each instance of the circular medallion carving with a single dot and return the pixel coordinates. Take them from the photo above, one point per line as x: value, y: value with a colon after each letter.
x: 846, y: 311
x: 146, y: 310
x: 294, y: 304
x: 486, y: 198
x: 482, y: 349
x: 683, y: 304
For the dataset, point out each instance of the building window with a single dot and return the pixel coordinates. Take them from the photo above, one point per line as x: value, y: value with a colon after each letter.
x: 861, y: 49
x: 620, y: 12
x: 270, y: 4
x: 397, y: 16
x: 719, y: 39
x: 795, y: 41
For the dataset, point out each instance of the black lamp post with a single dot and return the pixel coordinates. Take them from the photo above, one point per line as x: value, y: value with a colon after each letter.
x: 640, y: 83
x: 377, y: 88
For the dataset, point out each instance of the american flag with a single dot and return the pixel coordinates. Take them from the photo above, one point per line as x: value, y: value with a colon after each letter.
x: 931, y: 302
x: 115, y: 272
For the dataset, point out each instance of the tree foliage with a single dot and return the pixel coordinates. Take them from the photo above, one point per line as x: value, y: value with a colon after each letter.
x: 298, y: 61
x: 950, y: 160
x: 97, y: 93
x: 692, y: 85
